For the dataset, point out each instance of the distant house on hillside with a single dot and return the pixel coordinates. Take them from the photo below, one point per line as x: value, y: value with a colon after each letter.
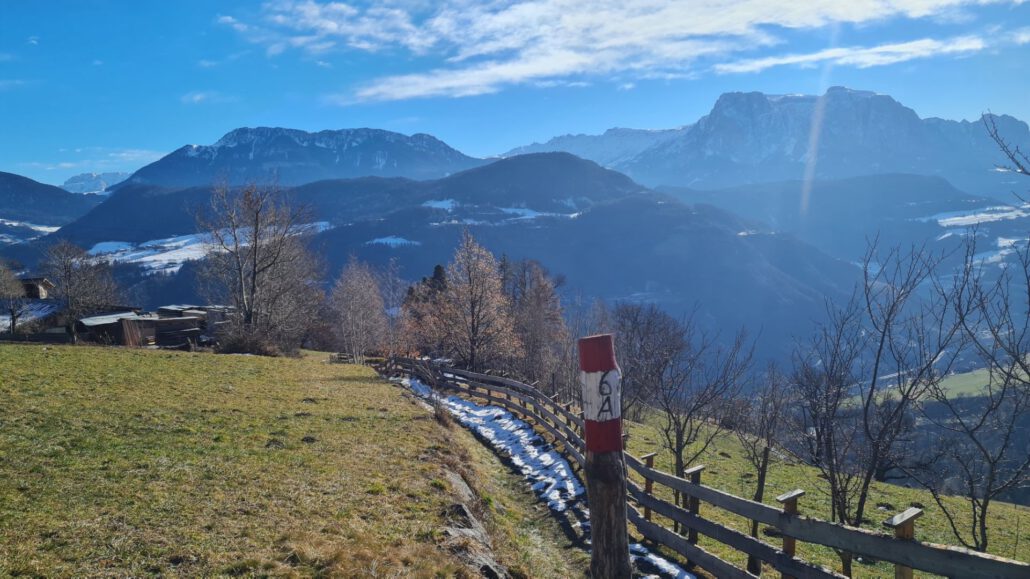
x: 37, y: 288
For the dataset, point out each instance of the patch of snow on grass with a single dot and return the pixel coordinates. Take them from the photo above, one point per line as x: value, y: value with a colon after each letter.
x: 977, y: 216
x: 110, y: 247
x: 549, y: 473
x: 158, y: 255
x: 32, y: 226
x: 392, y: 241
x: 663, y: 567
x: 521, y: 213
x: 445, y: 204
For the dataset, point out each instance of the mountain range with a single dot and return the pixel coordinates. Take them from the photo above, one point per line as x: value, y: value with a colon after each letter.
x: 716, y: 217
x: 266, y: 155
x: 93, y: 183
x: 756, y: 138
x: 29, y: 209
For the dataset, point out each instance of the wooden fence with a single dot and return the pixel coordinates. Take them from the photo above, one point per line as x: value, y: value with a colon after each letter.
x: 564, y: 424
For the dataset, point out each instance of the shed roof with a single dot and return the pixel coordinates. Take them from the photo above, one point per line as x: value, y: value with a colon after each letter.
x: 111, y: 318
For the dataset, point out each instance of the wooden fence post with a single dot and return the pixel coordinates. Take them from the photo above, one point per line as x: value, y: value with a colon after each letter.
x: 904, y: 525
x: 605, y: 468
x: 648, y: 483
x: 790, y: 507
x: 693, y: 503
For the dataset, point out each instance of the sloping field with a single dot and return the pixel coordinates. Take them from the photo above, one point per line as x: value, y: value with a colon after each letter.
x: 727, y: 469
x: 125, y: 462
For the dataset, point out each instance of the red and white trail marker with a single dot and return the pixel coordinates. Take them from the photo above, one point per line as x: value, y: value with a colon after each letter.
x: 602, y: 393
x: 604, y: 468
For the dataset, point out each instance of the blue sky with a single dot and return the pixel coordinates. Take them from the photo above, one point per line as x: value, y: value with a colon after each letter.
x: 112, y: 85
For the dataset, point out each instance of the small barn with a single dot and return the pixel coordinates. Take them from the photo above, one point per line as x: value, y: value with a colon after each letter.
x: 37, y: 288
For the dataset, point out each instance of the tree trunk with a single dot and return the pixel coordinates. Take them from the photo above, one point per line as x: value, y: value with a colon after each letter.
x: 754, y: 564
x: 845, y: 562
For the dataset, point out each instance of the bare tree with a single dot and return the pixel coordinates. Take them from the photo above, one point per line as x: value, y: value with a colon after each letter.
x: 469, y: 318
x: 826, y: 428
x: 258, y: 263
x: 13, y: 299
x: 393, y: 289
x: 84, y: 284
x: 695, y: 385
x: 980, y: 444
x: 361, y: 321
x: 910, y: 342
x: 1018, y: 160
x: 759, y: 428
x: 649, y: 341
x: 860, y: 380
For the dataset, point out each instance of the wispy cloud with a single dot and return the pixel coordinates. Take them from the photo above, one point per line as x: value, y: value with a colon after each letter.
x: 6, y: 57
x: 98, y: 159
x: 1021, y: 36
x: 205, y: 96
x: 33, y: 40
x: 483, y: 47
x: 861, y: 56
x: 11, y: 84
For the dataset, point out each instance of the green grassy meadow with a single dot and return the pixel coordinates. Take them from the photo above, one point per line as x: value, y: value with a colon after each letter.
x: 727, y: 469
x: 120, y: 462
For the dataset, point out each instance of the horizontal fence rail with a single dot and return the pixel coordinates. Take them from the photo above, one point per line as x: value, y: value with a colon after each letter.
x: 564, y: 423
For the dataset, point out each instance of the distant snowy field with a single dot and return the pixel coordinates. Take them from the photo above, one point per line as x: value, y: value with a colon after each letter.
x: 167, y: 256
x: 1007, y: 219
x: 12, y: 231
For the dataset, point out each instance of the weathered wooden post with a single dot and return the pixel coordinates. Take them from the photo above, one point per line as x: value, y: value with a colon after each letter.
x: 904, y: 526
x: 693, y: 503
x: 648, y: 483
x: 790, y: 507
x: 605, y: 470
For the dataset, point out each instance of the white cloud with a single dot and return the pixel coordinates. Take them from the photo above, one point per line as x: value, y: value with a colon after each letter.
x: 33, y: 40
x: 487, y: 46
x: 205, y: 96
x: 861, y: 57
x: 1021, y: 36
x: 232, y: 23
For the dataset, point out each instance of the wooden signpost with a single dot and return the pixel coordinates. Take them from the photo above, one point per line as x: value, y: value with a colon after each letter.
x: 605, y: 470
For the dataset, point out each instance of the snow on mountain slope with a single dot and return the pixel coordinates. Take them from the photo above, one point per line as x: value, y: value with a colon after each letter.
x: 293, y: 157
x: 167, y: 256
x: 93, y: 183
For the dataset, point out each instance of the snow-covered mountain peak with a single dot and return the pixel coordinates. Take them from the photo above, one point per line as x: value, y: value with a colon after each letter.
x: 292, y: 156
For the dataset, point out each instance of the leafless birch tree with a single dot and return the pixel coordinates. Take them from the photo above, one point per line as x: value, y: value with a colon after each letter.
x: 361, y: 324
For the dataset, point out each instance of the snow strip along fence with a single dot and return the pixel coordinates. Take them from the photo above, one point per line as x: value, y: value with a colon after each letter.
x: 550, y: 474
x: 565, y: 425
